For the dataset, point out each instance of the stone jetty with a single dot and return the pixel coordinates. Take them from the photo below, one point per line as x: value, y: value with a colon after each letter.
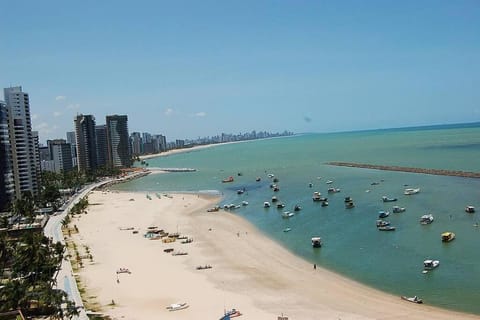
x: 438, y: 172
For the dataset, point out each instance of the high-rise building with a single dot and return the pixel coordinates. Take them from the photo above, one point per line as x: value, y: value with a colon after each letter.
x: 102, y: 148
x: 61, y: 155
x: 117, y: 141
x: 24, y: 157
x: 73, y: 142
x: 136, y: 140
x: 6, y: 174
x: 86, y: 142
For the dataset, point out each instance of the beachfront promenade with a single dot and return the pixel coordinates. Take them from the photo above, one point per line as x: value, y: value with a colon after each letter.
x: 439, y: 172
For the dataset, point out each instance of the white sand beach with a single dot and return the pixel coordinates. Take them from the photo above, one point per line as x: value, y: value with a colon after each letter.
x: 250, y: 272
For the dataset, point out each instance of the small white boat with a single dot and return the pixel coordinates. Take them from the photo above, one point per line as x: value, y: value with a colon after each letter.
x: 329, y: 182
x: 397, y: 209
x: 386, y: 228
x: 430, y: 264
x: 382, y: 223
x: 333, y: 190
x: 177, y: 306
x: 244, y: 203
x: 316, y: 242
x: 383, y: 214
x: 287, y: 214
x: 426, y: 219
x: 266, y: 204
x: 414, y: 299
x: 287, y: 229
x: 387, y: 199
x: 410, y: 191
x: 470, y: 209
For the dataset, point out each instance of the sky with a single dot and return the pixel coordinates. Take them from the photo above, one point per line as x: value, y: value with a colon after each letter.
x: 189, y: 69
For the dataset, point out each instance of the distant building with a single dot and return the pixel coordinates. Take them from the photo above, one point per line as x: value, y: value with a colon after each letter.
x: 61, y: 155
x: 86, y: 142
x: 24, y: 157
x: 136, y: 141
x: 118, y: 141
x: 102, y: 147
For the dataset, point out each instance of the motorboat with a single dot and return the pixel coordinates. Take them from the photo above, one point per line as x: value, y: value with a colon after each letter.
x: 214, y: 209
x: 414, y: 299
x: 276, y: 188
x: 329, y: 182
x: 387, y: 199
x: 316, y: 196
x: 386, y: 228
x: 244, y: 203
x: 266, y: 204
x: 397, y: 209
x: 229, y: 179
x: 324, y: 203
x: 287, y: 229
x: 240, y: 191
x: 280, y: 205
x: 383, y: 214
x: 382, y: 223
x: 274, y: 199
x: 469, y: 209
x: 287, y: 214
x: 349, y: 205
x: 348, y: 199
x: 448, y: 236
x: 426, y: 219
x: 316, y: 242
x: 177, y: 306
x: 258, y: 179
x: 297, y: 208
x: 410, y: 191
x: 430, y: 264
x: 230, y: 314
x: 270, y: 175
x: 333, y: 190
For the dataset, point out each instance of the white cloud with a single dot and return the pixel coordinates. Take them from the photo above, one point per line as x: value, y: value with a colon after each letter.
x: 44, y: 129
x: 199, y: 114
x: 60, y: 98
x: 73, y: 106
x: 57, y: 114
x: 34, y: 116
x: 168, y: 111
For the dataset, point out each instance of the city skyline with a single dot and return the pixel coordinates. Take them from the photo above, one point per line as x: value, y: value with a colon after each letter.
x: 198, y: 69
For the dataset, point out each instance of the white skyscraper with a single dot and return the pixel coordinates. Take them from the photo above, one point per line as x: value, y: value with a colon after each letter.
x: 23, y: 155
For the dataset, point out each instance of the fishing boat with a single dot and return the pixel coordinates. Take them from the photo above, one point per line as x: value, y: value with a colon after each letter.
x: 382, y: 223
x: 410, y: 191
x: 387, y: 199
x: 397, y: 209
x: 386, y: 228
x: 316, y: 242
x: 470, y: 209
x: 383, y: 214
x: 287, y: 214
x: 426, y: 219
x: 430, y: 264
x: 230, y: 314
x: 177, y: 306
x: 414, y: 299
x: 229, y: 179
x: 448, y: 236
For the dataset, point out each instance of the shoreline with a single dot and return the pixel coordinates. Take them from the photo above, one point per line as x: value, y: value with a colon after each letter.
x: 438, y: 172
x: 250, y: 271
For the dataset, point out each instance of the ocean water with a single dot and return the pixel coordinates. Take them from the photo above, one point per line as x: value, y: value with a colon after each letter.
x: 389, y: 261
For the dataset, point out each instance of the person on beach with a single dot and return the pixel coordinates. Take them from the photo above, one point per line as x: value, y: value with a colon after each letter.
x: 314, y: 266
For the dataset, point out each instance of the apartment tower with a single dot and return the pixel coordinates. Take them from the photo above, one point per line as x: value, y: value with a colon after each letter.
x: 86, y: 142
x: 118, y: 141
x: 24, y: 158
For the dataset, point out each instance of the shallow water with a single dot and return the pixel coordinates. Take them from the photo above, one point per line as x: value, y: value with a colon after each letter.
x: 390, y: 261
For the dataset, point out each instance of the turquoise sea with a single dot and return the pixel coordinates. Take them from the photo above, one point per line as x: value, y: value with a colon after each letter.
x: 389, y: 261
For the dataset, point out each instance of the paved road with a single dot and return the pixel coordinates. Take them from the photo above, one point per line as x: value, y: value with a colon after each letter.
x: 53, y: 229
